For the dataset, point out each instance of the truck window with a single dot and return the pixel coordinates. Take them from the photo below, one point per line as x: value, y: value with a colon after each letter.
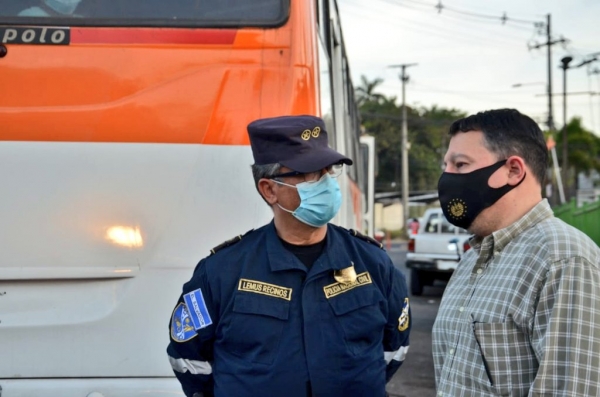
x: 432, y: 224
x: 447, y: 227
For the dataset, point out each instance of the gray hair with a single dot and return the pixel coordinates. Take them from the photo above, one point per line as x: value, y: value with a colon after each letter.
x: 264, y: 171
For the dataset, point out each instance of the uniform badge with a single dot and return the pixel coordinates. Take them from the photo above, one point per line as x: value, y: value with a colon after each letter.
x: 404, y: 320
x: 197, y: 309
x: 335, y: 289
x: 258, y: 287
x: 182, y: 328
x: 346, y: 275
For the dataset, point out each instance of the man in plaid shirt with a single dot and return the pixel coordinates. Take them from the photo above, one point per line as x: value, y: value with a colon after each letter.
x: 521, y: 314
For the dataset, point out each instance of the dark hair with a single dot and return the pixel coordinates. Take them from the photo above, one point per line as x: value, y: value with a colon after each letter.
x: 507, y: 132
x: 264, y: 171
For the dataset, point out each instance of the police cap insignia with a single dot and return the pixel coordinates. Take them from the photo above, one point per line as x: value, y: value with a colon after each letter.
x: 182, y: 327
x: 365, y: 238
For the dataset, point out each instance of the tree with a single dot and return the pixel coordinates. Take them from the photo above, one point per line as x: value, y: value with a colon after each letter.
x: 583, y: 148
x: 365, y: 92
x: 427, y: 134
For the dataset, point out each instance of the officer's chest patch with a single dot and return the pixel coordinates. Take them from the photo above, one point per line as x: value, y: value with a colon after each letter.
x: 258, y: 287
x: 334, y: 289
x: 197, y: 309
x: 182, y: 328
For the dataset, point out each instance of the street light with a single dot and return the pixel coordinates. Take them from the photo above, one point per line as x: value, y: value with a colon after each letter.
x: 565, y: 65
x: 549, y: 122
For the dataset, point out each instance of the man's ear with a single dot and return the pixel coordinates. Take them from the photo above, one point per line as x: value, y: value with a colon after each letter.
x: 266, y: 187
x: 516, y: 170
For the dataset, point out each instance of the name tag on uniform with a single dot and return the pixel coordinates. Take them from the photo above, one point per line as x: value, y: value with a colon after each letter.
x: 197, y: 309
x: 332, y: 290
x: 258, y: 287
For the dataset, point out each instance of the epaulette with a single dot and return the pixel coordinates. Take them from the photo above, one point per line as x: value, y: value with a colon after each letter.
x: 365, y: 238
x: 229, y: 242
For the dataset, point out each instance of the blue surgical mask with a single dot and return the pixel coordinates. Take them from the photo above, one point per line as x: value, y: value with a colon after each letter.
x: 319, y: 201
x: 63, y: 6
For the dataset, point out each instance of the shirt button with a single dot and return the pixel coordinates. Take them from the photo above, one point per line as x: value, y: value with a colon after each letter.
x: 440, y: 393
x: 451, y: 351
x: 462, y: 309
x: 479, y: 271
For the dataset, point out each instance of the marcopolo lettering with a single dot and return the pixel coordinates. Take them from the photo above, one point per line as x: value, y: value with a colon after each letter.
x: 259, y: 287
x: 35, y: 35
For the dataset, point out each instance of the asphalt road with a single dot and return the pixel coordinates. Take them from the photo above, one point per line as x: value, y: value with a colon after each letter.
x: 416, y: 378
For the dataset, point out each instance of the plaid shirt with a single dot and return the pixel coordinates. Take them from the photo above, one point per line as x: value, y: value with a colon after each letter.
x: 521, y: 314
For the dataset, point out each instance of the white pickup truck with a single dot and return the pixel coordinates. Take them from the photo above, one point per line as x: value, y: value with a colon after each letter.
x: 435, y: 250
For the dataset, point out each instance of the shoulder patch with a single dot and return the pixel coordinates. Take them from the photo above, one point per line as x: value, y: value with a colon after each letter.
x: 365, y: 238
x: 182, y: 328
x: 404, y: 320
x: 229, y: 242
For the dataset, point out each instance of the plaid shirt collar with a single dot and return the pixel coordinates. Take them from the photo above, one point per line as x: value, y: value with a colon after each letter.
x: 499, y: 239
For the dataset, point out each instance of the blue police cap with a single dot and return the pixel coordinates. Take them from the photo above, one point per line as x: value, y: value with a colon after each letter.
x: 296, y: 142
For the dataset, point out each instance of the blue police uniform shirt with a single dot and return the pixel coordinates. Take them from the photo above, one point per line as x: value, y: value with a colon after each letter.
x: 252, y: 321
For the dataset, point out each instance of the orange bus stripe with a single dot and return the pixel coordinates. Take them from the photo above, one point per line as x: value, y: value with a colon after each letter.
x: 151, y: 36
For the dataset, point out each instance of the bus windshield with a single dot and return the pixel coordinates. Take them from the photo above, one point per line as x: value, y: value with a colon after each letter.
x: 184, y: 13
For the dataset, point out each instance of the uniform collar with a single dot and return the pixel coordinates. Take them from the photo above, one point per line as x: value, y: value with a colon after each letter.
x: 280, y: 258
x: 334, y: 255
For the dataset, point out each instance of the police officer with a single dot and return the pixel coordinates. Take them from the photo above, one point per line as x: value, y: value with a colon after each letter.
x: 298, y: 307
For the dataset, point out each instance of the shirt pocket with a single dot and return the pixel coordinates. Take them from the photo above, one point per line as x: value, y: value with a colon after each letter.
x: 358, y: 312
x: 256, y: 327
x: 507, y: 356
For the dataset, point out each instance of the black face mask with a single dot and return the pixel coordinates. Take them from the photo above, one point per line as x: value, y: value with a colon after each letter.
x: 464, y: 196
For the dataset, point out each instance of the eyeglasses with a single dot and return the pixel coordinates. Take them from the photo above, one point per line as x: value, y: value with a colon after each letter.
x: 333, y: 170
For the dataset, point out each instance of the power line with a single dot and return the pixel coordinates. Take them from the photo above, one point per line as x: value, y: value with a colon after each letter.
x: 507, y: 22
x: 435, y: 31
x: 440, y: 8
x: 486, y: 22
x: 480, y: 6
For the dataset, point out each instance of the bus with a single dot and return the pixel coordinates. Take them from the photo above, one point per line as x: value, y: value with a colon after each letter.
x: 124, y: 158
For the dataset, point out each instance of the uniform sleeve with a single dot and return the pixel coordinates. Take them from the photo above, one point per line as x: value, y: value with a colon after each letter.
x: 397, y: 329
x: 566, y: 331
x: 191, y: 332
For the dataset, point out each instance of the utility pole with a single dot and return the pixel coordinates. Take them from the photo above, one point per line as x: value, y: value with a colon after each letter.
x: 565, y: 65
x: 549, y: 43
x: 404, y: 137
x: 596, y: 71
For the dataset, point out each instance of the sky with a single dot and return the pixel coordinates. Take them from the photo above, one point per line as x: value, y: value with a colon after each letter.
x: 468, y: 60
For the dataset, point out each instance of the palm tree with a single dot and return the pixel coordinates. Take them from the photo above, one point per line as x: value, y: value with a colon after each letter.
x: 365, y: 92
